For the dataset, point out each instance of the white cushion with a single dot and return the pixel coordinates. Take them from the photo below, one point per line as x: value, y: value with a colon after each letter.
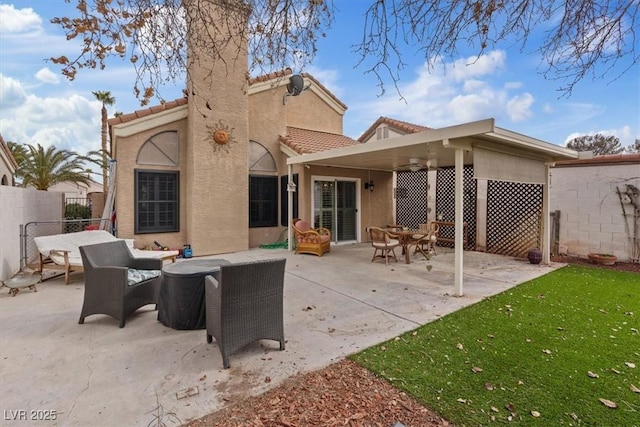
x: 381, y: 245
x: 138, y: 276
x: 71, y: 242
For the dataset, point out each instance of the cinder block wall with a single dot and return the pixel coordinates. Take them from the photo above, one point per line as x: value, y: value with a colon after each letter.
x: 591, y: 215
x: 18, y: 206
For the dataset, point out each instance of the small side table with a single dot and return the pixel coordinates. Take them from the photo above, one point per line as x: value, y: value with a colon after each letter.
x: 181, y: 303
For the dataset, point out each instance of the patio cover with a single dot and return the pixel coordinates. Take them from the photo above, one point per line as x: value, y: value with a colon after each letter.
x: 495, y: 152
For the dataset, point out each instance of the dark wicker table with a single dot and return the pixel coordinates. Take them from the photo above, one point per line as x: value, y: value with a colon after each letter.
x: 181, y: 303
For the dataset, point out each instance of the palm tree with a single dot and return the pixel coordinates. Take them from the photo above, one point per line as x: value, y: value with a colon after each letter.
x: 106, y: 99
x: 40, y: 168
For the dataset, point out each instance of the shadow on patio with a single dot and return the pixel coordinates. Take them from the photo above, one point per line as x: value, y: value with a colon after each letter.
x: 335, y: 305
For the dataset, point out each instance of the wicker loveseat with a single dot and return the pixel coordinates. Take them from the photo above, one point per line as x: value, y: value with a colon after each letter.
x: 309, y: 240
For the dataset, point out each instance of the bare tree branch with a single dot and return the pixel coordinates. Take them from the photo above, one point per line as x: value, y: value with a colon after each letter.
x: 583, y: 37
x: 574, y: 38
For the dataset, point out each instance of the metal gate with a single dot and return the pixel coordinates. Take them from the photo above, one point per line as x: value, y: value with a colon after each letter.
x: 514, y: 217
x: 28, y: 249
x: 446, y: 203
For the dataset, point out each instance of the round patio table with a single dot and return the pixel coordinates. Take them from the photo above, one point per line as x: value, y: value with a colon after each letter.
x: 181, y: 303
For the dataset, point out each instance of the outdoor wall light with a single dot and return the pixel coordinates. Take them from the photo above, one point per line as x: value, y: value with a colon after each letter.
x: 368, y: 185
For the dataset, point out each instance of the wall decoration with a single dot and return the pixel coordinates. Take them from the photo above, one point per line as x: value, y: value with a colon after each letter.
x: 220, y: 136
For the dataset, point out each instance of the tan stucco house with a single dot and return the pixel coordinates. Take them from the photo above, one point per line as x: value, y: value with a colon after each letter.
x: 226, y: 169
x: 8, y: 165
x: 77, y: 190
x: 159, y: 187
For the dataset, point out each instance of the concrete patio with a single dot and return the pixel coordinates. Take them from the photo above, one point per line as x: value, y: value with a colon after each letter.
x: 335, y: 305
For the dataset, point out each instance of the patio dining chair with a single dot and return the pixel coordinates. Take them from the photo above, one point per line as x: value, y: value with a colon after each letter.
x: 382, y: 242
x: 245, y: 305
x: 425, y: 241
x: 394, y: 227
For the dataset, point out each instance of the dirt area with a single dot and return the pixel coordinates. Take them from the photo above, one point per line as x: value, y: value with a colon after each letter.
x: 342, y: 394
x: 619, y: 266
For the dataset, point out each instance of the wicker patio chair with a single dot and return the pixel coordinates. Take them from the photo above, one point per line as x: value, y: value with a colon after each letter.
x: 115, y: 282
x: 426, y: 240
x: 245, y: 305
x: 381, y: 241
x: 309, y: 240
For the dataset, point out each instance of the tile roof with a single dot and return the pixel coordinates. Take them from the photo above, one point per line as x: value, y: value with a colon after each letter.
x: 123, y: 118
x: 324, y: 88
x: 305, y: 141
x: 398, y: 124
x: 271, y: 76
x: 633, y: 158
x: 7, y: 151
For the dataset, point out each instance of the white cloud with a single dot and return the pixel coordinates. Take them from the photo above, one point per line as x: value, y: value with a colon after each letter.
x: 519, y: 107
x: 470, y: 92
x: 466, y: 108
x: 71, y: 122
x: 328, y: 78
x: 548, y: 108
x: 11, y: 93
x: 473, y: 85
x: 14, y: 20
x: 473, y: 66
x: 45, y: 75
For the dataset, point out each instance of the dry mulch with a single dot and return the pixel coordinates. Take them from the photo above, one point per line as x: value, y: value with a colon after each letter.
x: 342, y: 394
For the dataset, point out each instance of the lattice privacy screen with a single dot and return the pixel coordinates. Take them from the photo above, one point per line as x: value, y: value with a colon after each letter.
x: 411, y: 198
x: 514, y: 217
x: 445, y: 202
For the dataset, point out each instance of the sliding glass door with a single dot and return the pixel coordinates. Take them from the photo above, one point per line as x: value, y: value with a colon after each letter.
x: 335, y: 206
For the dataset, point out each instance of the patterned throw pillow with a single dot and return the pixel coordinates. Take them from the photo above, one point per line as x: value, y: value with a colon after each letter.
x: 138, y: 276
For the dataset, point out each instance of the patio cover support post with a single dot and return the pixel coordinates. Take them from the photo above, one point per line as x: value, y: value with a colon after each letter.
x: 546, y: 238
x: 459, y: 218
x: 289, y: 207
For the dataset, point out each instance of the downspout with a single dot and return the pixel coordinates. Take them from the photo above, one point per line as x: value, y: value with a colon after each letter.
x: 291, y: 187
x: 546, y: 212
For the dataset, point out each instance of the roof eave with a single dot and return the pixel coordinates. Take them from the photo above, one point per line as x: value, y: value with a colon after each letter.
x: 534, y: 144
x: 431, y: 135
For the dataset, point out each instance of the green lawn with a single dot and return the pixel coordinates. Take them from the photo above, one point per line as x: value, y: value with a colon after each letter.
x: 542, y: 353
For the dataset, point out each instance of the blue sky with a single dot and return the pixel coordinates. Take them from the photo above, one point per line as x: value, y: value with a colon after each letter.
x: 38, y: 105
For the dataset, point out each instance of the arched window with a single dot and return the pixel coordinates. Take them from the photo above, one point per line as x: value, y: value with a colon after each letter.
x: 263, y: 187
x: 5, y: 181
x: 157, y: 191
x: 260, y: 159
x: 160, y: 150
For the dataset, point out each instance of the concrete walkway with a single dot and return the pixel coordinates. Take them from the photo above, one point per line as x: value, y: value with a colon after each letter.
x: 335, y: 305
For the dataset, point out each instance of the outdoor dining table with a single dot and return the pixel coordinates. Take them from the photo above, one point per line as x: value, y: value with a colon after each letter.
x: 406, y: 237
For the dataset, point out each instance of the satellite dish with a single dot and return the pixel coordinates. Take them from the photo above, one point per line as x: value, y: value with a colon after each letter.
x: 295, y: 85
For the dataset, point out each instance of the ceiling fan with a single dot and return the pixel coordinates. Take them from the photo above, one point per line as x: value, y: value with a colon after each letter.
x: 417, y: 164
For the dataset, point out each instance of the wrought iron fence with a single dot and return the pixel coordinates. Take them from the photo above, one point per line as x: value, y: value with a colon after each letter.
x: 77, y: 208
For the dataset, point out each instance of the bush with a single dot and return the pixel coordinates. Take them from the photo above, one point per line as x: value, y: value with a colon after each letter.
x: 77, y: 211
